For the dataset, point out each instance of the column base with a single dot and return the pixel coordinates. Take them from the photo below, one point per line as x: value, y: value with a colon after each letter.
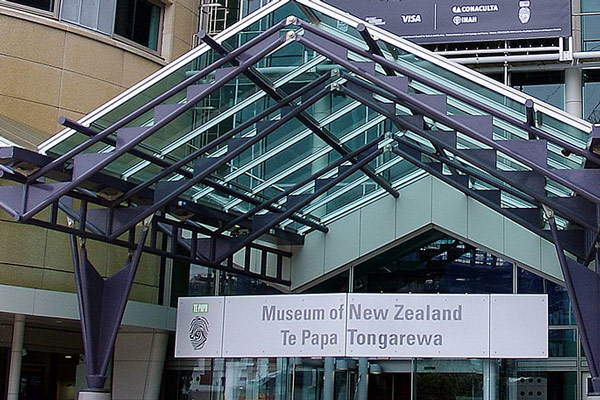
x: 84, y: 395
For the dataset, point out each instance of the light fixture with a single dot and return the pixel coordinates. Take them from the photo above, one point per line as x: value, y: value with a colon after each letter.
x: 341, y: 365
x: 375, y: 369
x: 203, y: 7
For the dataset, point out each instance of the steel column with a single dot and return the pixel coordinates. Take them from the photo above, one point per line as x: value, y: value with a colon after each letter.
x: 102, y: 304
x: 16, y: 356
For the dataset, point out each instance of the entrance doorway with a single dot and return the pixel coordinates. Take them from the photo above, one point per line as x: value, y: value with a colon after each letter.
x: 390, y: 386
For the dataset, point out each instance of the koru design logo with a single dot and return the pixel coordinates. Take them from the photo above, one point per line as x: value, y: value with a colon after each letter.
x: 198, y: 332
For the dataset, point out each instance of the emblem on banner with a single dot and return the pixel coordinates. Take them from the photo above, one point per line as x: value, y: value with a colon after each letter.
x: 524, y: 14
x: 198, y: 332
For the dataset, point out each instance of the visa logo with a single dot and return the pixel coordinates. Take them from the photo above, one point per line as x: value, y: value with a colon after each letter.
x: 411, y: 18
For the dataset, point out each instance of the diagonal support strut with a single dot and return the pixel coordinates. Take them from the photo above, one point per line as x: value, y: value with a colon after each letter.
x: 583, y: 286
x: 102, y: 304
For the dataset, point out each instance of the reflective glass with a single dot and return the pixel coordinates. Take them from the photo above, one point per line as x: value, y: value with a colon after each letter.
x: 559, y: 307
x: 531, y: 379
x: 301, y: 147
x: 449, y: 379
x: 562, y: 342
x: 246, y: 378
x: 434, y: 263
x: 590, y: 32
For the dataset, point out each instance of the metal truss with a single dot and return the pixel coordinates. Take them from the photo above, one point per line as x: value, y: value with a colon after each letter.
x: 425, y: 135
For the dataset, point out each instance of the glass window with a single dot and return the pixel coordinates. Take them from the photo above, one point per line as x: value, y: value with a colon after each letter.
x: 527, y: 379
x: 590, y: 32
x: 339, y: 283
x: 591, y: 95
x: 548, y: 86
x: 562, y: 342
x: 449, y: 379
x: 46, y: 5
x: 239, y: 285
x: 138, y: 21
x: 559, y: 307
x: 48, y: 376
x: 96, y: 15
x: 245, y: 378
x: 202, y: 281
x: 434, y: 263
x: 590, y: 5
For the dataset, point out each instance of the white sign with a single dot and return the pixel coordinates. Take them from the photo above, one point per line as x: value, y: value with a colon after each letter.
x: 200, y: 327
x: 516, y: 331
x: 363, y: 325
x: 285, y: 326
x: 388, y: 325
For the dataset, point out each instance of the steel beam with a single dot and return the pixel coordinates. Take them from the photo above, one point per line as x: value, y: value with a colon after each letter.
x: 583, y: 286
x: 258, y: 79
x: 207, y: 171
x: 119, y: 151
x: 178, y: 167
x: 156, y: 101
x: 422, y: 108
x: 298, y: 185
x: 297, y: 206
x: 430, y: 135
x: 440, y: 87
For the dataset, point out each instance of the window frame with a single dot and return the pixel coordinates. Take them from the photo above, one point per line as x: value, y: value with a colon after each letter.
x: 33, y: 10
x: 157, y: 52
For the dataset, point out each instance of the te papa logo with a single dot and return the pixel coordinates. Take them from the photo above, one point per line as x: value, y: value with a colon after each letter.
x: 198, y: 332
x: 199, y: 326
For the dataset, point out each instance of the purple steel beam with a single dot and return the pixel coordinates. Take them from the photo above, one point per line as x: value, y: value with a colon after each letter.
x: 422, y: 108
x: 119, y: 151
x: 101, y: 307
x: 583, y: 287
x: 297, y: 186
x: 157, y: 251
x: 570, y: 214
x: 278, y: 217
x: 258, y: 79
x: 156, y: 101
x: 458, y: 95
x: 178, y: 167
x: 478, y: 195
x: 592, y: 251
x: 206, y: 171
x: 373, y: 47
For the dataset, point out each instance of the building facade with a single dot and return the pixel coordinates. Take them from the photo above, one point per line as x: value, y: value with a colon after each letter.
x: 419, y: 235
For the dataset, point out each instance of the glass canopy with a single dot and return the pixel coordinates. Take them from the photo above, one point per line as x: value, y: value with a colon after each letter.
x: 299, y: 114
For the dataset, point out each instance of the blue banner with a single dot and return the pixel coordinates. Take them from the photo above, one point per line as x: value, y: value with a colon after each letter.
x: 439, y: 21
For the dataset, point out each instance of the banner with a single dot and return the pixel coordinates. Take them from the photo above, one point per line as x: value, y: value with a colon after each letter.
x: 363, y: 325
x: 439, y: 21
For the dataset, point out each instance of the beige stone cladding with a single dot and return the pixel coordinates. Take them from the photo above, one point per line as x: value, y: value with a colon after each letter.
x: 52, y: 69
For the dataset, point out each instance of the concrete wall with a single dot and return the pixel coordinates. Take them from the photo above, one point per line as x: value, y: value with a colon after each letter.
x: 138, y: 365
x: 425, y: 204
x: 53, y: 69
x: 39, y: 258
